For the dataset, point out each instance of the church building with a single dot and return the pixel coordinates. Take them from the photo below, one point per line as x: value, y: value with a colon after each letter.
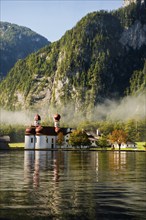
x: 46, y: 137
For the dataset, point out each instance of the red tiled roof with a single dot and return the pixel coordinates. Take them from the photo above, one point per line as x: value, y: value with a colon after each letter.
x: 45, y: 130
x: 30, y: 130
x: 64, y: 131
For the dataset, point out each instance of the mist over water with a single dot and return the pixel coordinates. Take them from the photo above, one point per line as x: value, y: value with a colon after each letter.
x: 127, y: 108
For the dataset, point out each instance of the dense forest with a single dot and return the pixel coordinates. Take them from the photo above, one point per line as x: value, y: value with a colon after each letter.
x: 102, y: 58
x: 17, y: 42
x: 91, y: 62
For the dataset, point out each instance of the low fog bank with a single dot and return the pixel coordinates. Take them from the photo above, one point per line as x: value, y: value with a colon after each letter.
x: 17, y: 117
x: 127, y: 108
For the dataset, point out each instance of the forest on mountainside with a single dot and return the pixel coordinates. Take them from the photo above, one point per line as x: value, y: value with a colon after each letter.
x: 17, y: 42
x: 95, y: 61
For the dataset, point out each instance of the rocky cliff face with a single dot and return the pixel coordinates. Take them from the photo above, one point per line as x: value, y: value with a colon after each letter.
x: 135, y: 36
x: 128, y: 2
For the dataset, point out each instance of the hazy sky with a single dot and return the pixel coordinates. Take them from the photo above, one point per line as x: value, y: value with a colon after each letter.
x: 51, y: 19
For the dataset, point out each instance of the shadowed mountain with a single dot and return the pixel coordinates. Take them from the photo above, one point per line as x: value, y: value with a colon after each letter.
x: 100, y: 58
x: 17, y: 42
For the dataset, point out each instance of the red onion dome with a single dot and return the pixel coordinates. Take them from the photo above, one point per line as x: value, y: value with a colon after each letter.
x: 37, y: 117
x: 30, y: 130
x: 39, y: 130
x: 57, y: 117
x: 57, y: 129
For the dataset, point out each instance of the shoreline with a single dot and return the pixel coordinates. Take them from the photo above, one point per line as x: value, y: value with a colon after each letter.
x: 21, y: 147
x: 72, y: 149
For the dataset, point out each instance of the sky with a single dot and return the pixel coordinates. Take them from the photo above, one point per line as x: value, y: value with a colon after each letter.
x: 51, y: 19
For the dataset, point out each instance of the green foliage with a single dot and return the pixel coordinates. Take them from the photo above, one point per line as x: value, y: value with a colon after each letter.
x: 86, y: 66
x: 129, y: 14
x: 106, y: 127
x: 134, y: 128
x: 16, y: 43
x: 103, y: 142
x: 119, y: 136
x: 131, y: 130
x: 88, y: 125
x: 79, y: 138
x: 138, y: 81
x: 16, y: 132
x: 60, y: 138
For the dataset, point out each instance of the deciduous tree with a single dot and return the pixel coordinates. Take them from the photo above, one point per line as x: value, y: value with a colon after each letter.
x: 60, y: 138
x: 118, y: 136
x: 79, y: 138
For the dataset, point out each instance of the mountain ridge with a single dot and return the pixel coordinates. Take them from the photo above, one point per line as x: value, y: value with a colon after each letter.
x: 17, y: 42
x: 89, y: 64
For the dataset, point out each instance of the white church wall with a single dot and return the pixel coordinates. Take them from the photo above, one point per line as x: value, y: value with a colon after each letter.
x: 66, y: 139
x: 29, y: 142
x: 52, y: 142
x: 40, y: 142
x: 45, y: 142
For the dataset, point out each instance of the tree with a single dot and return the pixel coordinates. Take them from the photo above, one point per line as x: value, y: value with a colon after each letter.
x: 131, y: 128
x: 102, y: 142
x: 118, y: 136
x: 60, y: 138
x: 79, y: 138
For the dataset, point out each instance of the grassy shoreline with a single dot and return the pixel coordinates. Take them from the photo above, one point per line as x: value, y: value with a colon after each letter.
x: 16, y: 145
x: 140, y: 147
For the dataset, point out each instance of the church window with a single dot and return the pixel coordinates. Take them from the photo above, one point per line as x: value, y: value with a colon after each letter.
x: 52, y: 142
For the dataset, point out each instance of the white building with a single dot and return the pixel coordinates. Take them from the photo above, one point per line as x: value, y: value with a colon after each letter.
x: 125, y: 145
x: 45, y: 137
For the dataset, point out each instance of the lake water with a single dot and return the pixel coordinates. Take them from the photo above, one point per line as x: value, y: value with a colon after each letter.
x: 72, y: 185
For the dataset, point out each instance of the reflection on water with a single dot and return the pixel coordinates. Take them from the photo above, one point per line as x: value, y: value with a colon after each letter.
x: 73, y: 185
x: 40, y: 160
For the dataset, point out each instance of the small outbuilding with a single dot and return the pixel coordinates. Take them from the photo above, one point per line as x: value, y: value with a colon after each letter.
x: 124, y: 145
x: 4, y: 142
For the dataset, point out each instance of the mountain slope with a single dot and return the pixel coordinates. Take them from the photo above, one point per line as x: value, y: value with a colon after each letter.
x: 89, y: 64
x: 16, y: 43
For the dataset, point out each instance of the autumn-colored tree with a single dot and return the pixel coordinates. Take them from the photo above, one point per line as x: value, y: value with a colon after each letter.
x: 60, y: 138
x: 78, y: 138
x: 118, y: 136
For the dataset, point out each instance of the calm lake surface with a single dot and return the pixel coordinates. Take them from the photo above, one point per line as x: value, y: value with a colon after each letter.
x: 72, y: 185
